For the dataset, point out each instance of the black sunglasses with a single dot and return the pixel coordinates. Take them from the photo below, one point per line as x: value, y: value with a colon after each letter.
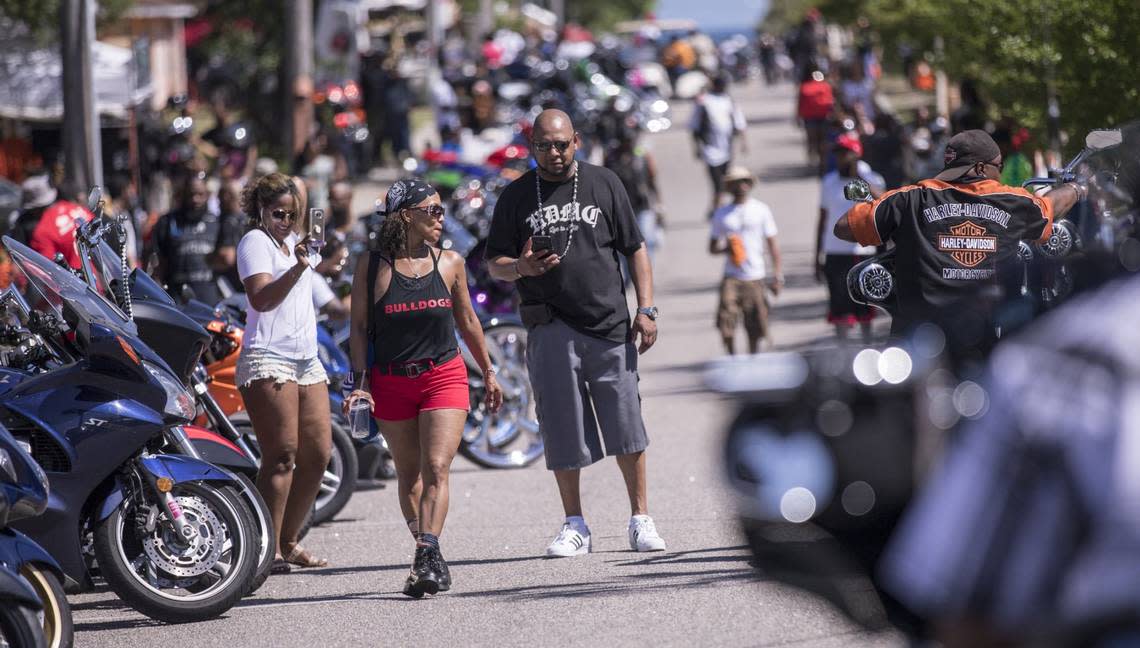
x: 435, y: 211
x: 544, y: 147
x: 283, y: 214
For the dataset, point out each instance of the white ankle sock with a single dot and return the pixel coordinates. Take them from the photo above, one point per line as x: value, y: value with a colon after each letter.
x: 578, y: 523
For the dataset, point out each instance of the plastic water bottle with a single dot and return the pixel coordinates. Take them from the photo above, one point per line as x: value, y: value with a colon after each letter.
x: 360, y: 419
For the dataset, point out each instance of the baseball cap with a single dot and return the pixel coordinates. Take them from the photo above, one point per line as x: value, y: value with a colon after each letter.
x: 964, y: 151
x: 850, y: 141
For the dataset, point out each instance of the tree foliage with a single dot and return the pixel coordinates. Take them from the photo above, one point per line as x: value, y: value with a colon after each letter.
x: 42, y: 16
x: 1012, y: 49
x: 593, y: 14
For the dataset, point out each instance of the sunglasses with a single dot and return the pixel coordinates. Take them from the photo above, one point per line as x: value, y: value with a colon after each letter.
x: 435, y: 211
x: 544, y: 147
x: 283, y: 214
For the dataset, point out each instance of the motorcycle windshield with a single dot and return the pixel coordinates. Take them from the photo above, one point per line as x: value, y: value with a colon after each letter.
x: 109, y: 271
x: 60, y: 291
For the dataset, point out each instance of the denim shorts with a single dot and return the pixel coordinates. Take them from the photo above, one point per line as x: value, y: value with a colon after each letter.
x: 263, y: 364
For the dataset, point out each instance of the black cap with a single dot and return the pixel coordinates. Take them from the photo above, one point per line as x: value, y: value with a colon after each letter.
x: 964, y: 151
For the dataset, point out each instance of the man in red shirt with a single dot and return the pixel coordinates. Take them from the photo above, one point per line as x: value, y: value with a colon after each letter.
x: 816, y: 100
x: 55, y: 231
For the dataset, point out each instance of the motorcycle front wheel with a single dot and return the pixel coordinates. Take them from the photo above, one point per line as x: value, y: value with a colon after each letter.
x: 19, y: 627
x: 55, y: 618
x: 266, y: 534
x: 172, y: 579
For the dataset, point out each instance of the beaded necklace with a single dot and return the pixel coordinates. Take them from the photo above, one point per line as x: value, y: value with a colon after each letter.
x: 573, y: 202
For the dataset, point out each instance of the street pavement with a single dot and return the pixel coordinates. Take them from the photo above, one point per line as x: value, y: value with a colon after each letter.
x: 704, y: 590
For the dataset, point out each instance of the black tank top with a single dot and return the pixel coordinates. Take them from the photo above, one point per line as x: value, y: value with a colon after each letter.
x: 413, y: 320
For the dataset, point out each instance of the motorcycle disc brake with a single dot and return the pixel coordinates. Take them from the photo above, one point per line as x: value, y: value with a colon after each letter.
x: 179, y: 558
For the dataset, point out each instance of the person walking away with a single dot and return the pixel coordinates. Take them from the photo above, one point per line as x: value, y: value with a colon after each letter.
x: 816, y: 100
x: 184, y: 239
x: 46, y: 221
x: 838, y: 257
x: 280, y: 377
x: 717, y: 121
x: 224, y: 259
x: 678, y: 57
x: 740, y: 231
x: 580, y: 351
x: 408, y: 299
x: 956, y: 237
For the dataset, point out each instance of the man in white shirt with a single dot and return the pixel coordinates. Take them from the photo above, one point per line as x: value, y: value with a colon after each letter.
x: 740, y: 231
x: 716, y: 123
x: 835, y: 257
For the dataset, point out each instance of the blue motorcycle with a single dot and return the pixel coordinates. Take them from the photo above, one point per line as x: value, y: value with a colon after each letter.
x: 172, y: 535
x: 33, y: 608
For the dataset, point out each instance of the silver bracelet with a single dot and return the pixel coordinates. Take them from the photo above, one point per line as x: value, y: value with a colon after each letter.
x: 517, y: 271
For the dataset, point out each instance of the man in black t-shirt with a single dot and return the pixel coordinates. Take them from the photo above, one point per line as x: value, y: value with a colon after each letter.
x: 559, y: 231
x: 234, y: 221
x: 184, y: 240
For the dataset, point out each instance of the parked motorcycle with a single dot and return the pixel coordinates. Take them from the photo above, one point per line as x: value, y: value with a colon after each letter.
x: 173, y: 536
x: 33, y: 608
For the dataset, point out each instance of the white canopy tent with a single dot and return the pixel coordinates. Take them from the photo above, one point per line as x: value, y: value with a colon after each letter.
x: 31, y: 81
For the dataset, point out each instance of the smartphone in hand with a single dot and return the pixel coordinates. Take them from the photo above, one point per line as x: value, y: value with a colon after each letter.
x: 541, y: 245
x: 316, y: 229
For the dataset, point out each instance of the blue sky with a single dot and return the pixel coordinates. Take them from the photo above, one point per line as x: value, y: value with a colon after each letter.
x: 715, y: 14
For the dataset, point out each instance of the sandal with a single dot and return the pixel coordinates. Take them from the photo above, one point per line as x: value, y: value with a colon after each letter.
x: 280, y: 567
x: 298, y: 556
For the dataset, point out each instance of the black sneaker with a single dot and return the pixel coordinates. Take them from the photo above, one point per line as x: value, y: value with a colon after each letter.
x: 440, y: 567
x: 423, y: 579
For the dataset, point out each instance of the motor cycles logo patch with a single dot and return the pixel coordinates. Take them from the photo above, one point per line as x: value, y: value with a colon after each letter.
x: 967, y: 244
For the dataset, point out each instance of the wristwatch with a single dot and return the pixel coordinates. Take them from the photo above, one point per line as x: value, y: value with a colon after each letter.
x: 648, y: 311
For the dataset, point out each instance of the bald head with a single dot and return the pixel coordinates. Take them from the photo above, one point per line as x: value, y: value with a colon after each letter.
x: 553, y: 122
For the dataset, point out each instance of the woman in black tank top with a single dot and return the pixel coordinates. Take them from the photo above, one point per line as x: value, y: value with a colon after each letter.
x: 408, y: 299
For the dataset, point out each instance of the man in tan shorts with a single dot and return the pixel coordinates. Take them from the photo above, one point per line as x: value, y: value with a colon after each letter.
x: 739, y: 231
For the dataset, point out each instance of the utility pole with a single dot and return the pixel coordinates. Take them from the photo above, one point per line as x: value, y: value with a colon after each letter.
x: 82, y: 146
x: 486, y: 19
x: 299, y: 74
x: 559, y: 9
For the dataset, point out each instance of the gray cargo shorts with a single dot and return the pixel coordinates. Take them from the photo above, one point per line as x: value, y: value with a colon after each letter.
x: 583, y: 385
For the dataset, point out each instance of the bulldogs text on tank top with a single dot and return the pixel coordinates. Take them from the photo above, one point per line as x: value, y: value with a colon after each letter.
x: 413, y: 320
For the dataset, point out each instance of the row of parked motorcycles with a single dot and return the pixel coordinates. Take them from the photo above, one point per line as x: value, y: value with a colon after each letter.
x: 126, y: 455
x: 829, y: 448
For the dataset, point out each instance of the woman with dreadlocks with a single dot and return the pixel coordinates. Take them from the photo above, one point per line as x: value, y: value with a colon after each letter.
x: 408, y: 298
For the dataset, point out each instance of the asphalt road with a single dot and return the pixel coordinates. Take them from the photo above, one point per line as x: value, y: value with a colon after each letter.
x: 702, y: 591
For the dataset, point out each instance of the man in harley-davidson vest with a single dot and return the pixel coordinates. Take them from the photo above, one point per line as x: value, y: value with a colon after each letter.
x: 957, y: 237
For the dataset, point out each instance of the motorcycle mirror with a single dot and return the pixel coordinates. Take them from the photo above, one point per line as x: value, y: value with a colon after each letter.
x: 94, y: 198
x: 1101, y: 139
x: 857, y: 191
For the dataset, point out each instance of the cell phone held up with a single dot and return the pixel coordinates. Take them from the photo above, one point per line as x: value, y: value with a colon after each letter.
x: 316, y: 230
x: 541, y: 245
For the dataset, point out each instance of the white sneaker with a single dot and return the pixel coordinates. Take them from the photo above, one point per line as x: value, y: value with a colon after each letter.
x: 643, y: 534
x: 569, y: 543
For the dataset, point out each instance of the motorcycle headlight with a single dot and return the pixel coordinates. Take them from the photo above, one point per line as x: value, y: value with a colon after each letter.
x: 179, y: 400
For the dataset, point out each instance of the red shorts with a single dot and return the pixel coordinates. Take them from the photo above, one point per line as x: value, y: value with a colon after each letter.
x: 399, y: 398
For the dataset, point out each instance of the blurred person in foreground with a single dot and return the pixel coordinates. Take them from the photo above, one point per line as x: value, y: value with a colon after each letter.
x: 407, y: 365
x: 717, y: 123
x: 637, y: 170
x: 581, y: 351
x: 840, y: 256
x: 1029, y: 532
x: 279, y: 373
x: 957, y: 238
x: 740, y: 231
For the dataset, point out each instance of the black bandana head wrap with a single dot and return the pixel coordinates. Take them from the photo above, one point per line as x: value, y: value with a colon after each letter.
x: 406, y: 193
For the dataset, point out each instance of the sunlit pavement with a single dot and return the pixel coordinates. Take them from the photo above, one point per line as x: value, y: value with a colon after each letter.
x: 703, y: 591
